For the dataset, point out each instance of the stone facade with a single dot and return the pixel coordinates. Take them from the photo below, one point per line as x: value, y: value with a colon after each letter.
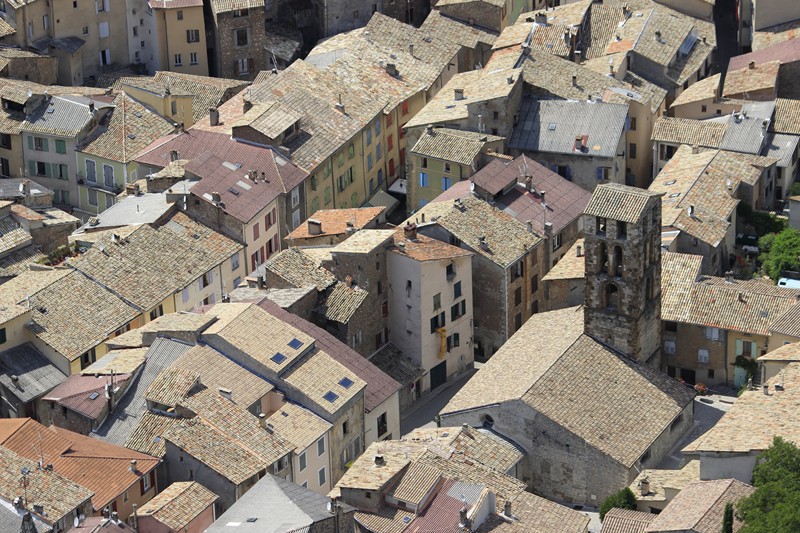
x: 623, y: 283
x: 239, y: 44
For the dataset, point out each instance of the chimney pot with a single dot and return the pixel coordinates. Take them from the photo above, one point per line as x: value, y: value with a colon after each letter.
x: 213, y: 116
x: 574, y: 80
x: 766, y: 389
x: 216, y: 197
x: 262, y: 420
x: 458, y: 94
x: 751, y: 65
x: 133, y: 465
x: 410, y: 231
x: 429, y: 129
x: 314, y: 226
x: 507, y: 508
x: 379, y: 461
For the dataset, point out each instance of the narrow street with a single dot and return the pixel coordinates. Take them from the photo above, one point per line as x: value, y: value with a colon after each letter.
x: 423, y: 414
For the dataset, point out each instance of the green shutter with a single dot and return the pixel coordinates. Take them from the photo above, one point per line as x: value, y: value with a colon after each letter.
x: 61, y: 147
x: 753, y: 350
x: 739, y: 347
x: 30, y: 142
x: 32, y: 167
x: 48, y: 171
x: 45, y: 145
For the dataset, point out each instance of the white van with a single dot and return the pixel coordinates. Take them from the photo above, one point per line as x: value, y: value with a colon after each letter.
x: 789, y: 283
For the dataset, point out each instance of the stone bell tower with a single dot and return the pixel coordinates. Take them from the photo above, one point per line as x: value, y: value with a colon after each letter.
x: 622, y: 231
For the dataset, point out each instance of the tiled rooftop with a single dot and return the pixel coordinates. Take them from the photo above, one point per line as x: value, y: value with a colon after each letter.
x: 458, y: 146
x: 766, y: 37
x: 619, y: 202
x: 180, y: 503
x: 325, y: 381
x: 337, y: 222
x: 788, y: 323
x: 742, y: 81
x: 130, y: 128
x: 701, y: 506
x: 674, y: 130
x: 569, y: 357
x: 341, y: 302
x: 277, y: 346
x: 104, y: 469
x: 423, y: 248
x: 456, y: 31
x: 619, y: 520
x: 704, y: 89
x: 787, y: 352
x: 661, y: 480
x: 571, y: 266
x: 756, y: 418
x: 471, y: 219
x: 299, y: 270
x: 57, y: 494
x: 477, y: 86
x: 364, y: 241
x: 298, y: 425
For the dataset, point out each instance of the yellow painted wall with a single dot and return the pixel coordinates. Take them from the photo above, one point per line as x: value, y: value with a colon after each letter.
x: 172, y: 40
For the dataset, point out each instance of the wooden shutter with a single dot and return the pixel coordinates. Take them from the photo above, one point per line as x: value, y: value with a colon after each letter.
x: 30, y: 142
x: 32, y: 167
x: 45, y: 144
x: 739, y: 347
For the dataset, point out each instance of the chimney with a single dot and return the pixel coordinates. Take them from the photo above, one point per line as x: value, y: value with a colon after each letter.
x: 566, y: 36
x: 91, y: 106
x: 579, y: 143
x: 136, y: 189
x: 530, y: 226
x: 246, y: 104
x: 213, y: 116
x: 429, y: 129
x: 741, y: 298
x: 658, y: 35
x: 411, y: 50
x: 510, y: 80
x: 574, y: 80
x: 173, y: 155
x: 751, y: 65
x: 644, y: 486
x: 579, y: 251
x: 507, y: 508
x: 704, y: 39
x: 458, y: 94
x: 379, y: 460
x: 484, y: 245
x: 729, y: 276
x: 226, y: 393
x: 391, y: 69
x: 463, y: 520
x: 541, y: 194
x: 695, y: 149
x: 115, y: 517
x: 410, y: 231
x: 27, y: 524
x: 540, y: 18
x: 548, y: 229
x: 766, y: 389
x: 133, y: 465
x: 262, y: 420
x: 15, y: 378
x: 216, y: 197
x: 26, y: 187
x: 691, y: 210
x: 314, y: 226
x: 340, y: 105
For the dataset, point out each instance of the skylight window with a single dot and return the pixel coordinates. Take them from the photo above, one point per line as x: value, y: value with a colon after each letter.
x: 331, y: 396
x: 346, y: 383
x: 93, y: 396
x: 295, y: 344
x: 551, y: 127
x: 278, y: 358
x: 674, y: 195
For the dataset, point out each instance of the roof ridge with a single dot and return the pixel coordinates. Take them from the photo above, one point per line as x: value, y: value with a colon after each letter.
x: 728, y: 484
x: 169, y: 501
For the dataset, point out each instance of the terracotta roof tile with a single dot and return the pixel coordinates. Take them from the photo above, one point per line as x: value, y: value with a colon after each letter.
x: 337, y: 221
x: 341, y: 302
x: 788, y: 323
x: 298, y: 425
x: 627, y: 521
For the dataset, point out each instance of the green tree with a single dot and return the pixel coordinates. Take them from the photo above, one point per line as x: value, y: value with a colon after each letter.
x: 727, y: 518
x: 781, y: 252
x: 794, y: 190
x: 624, y: 499
x: 775, y: 505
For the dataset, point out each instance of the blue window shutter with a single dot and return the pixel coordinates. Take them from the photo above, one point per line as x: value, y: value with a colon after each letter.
x: 599, y: 173
x: 569, y: 174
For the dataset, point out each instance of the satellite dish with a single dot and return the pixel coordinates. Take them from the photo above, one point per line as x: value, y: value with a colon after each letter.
x: 76, y: 522
x: 329, y: 506
x: 30, y: 93
x: 471, y: 186
x: 25, y: 471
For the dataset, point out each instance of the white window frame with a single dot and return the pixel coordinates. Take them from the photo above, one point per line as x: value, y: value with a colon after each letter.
x: 178, y: 60
x: 193, y: 58
x: 702, y: 356
x: 669, y: 347
x: 712, y: 333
